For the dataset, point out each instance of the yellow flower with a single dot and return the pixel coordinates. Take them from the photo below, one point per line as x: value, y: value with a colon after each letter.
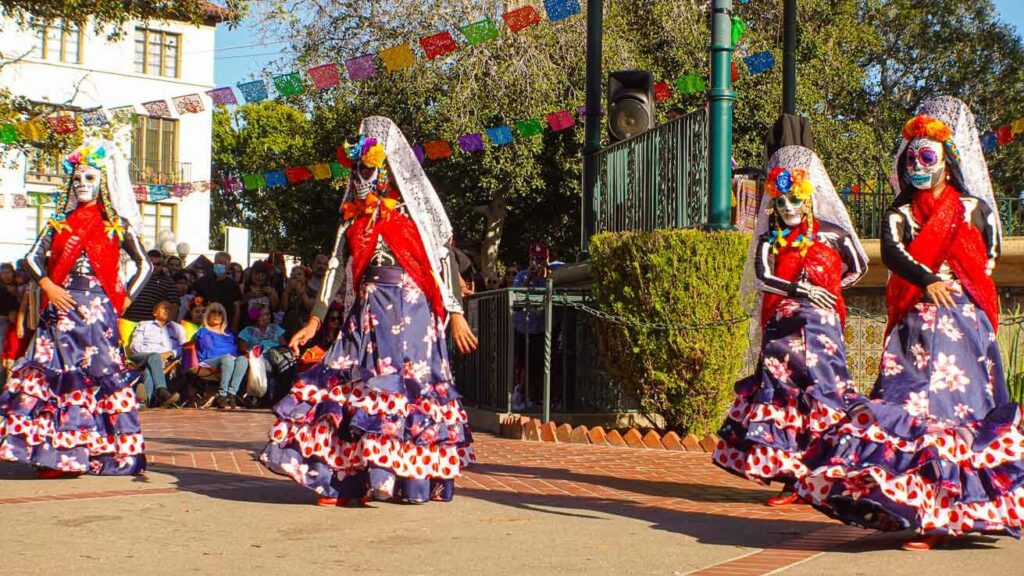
x: 803, y: 189
x: 374, y: 157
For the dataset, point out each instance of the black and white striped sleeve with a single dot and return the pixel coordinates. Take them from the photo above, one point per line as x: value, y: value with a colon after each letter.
x: 985, y: 220
x: 895, y: 255
x: 37, y: 258
x: 764, y: 271
x: 854, y: 262
x: 143, y: 269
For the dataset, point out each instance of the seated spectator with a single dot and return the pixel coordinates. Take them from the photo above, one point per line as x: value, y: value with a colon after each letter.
x: 297, y: 301
x: 186, y: 295
x: 155, y: 344
x: 216, y: 347
x: 194, y: 318
x: 258, y: 291
x: 274, y: 352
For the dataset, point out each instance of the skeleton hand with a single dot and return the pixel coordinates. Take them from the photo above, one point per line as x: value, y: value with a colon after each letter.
x: 817, y: 295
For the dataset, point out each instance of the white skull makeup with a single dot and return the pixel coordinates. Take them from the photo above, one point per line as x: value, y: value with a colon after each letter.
x: 364, y: 180
x: 790, y: 209
x: 926, y: 163
x: 85, y: 183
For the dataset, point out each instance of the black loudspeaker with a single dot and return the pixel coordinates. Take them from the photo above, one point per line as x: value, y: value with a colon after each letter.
x: 630, y: 103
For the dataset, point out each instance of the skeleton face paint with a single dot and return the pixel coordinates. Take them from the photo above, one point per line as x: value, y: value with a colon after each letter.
x: 364, y: 179
x: 926, y: 163
x: 790, y: 209
x: 85, y: 183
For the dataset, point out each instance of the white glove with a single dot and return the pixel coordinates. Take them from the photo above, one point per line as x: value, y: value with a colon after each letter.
x: 817, y: 295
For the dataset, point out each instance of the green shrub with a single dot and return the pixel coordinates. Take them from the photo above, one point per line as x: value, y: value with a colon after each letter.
x: 680, y: 277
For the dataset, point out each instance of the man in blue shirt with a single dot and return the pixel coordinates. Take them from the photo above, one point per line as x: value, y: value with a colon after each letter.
x: 156, y: 343
x: 532, y: 323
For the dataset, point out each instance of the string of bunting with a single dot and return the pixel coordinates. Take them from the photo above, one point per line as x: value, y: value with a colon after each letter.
x: 359, y: 68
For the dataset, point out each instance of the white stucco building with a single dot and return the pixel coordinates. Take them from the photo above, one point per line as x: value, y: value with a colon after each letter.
x: 152, y: 61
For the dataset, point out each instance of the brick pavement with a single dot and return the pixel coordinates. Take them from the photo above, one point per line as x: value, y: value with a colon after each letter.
x: 211, y: 452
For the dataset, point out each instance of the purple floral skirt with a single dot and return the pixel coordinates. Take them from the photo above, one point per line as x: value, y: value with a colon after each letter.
x: 796, y: 395
x: 938, y: 447
x: 380, y: 411
x: 69, y: 403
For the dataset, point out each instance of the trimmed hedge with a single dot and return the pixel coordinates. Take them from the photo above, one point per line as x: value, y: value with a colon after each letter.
x: 678, y: 277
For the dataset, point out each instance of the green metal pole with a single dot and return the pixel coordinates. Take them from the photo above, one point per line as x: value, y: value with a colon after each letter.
x: 721, y: 98
x: 592, y: 123
x: 789, y: 57
x: 549, y: 304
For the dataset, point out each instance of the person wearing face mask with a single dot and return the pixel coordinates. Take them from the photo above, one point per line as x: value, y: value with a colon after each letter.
x: 938, y: 446
x: 388, y: 421
x: 221, y: 288
x: 69, y: 407
x: 804, y: 253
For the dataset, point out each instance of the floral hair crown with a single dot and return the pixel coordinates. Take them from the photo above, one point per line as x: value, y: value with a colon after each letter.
x: 90, y: 154
x: 366, y: 151
x: 786, y: 182
x: 933, y: 129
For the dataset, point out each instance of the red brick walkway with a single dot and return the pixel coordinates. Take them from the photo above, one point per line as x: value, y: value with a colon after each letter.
x: 212, y: 451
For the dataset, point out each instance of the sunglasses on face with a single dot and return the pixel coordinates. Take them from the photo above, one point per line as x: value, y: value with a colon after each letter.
x: 926, y: 157
x: 782, y: 202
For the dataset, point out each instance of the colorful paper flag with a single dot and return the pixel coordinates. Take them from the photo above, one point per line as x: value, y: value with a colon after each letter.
x: 438, y: 45
x: 8, y: 133
x: 339, y: 171
x: 398, y: 57
x: 298, y: 174
x: 988, y: 141
x: 158, y: 192
x: 289, y: 84
x: 499, y: 135
x: 521, y: 19
x: 31, y: 131
x: 188, y: 104
x: 437, y: 150
x: 760, y: 62
x: 232, y: 185
x: 692, y: 83
x: 561, y: 120
x: 361, y: 67
x: 480, y: 31
x: 420, y: 154
x: 735, y: 71
x: 157, y: 109
x: 253, y: 91
x: 739, y: 28
x: 321, y: 171
x: 275, y: 178
x: 253, y: 181
x: 62, y: 124
x: 95, y: 118
x: 561, y: 9
x: 325, y: 75
x: 1018, y: 126
x: 1004, y: 135
x: 530, y: 128
x: 222, y: 96
x: 181, y: 190
x: 662, y: 92
x: 141, y: 192
x: 471, y: 142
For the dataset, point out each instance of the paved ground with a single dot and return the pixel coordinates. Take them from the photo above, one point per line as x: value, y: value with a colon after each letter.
x: 205, y: 507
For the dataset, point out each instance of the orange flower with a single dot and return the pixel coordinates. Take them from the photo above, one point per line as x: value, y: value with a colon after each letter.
x: 926, y: 127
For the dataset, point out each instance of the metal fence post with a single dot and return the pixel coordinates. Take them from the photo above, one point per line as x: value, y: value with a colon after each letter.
x: 549, y: 302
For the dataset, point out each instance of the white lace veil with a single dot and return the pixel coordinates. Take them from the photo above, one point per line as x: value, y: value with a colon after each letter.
x: 959, y: 118
x: 119, y: 185
x: 828, y: 207
x: 418, y: 196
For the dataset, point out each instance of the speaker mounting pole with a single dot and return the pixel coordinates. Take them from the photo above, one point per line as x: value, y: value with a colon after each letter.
x: 592, y: 123
x: 721, y: 99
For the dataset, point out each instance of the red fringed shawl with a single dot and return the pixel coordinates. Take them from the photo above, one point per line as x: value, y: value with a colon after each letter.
x: 88, y: 234
x: 945, y: 237
x: 822, y: 263
x: 403, y: 238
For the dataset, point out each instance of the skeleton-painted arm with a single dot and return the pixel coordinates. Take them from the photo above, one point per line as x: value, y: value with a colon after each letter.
x: 37, y: 258
x: 451, y: 303
x: 334, y: 278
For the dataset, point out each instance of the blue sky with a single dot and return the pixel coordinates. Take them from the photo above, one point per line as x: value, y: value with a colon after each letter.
x: 238, y: 58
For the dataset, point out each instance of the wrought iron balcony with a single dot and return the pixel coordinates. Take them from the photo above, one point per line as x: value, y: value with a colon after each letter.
x: 156, y: 171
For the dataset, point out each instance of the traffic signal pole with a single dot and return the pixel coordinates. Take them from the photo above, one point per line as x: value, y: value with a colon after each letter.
x: 592, y: 122
x: 721, y: 99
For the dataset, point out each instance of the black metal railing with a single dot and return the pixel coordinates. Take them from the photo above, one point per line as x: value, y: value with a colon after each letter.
x: 150, y: 171
x: 866, y: 210
x: 658, y: 179
x: 507, y: 372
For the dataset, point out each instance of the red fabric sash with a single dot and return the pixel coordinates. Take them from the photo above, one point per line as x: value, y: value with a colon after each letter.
x: 87, y: 234
x: 822, y: 263
x: 944, y: 237
x: 403, y: 238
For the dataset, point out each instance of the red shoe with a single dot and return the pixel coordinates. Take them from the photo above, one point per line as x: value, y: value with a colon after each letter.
x: 51, y: 474
x: 925, y: 543
x: 326, y: 501
x: 785, y: 499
